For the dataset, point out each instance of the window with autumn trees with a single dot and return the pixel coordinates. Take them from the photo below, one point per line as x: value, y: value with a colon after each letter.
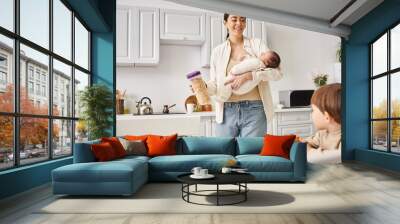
x: 44, y: 64
x: 385, y: 91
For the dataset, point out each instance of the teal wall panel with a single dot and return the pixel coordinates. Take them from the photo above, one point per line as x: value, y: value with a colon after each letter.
x: 356, y: 85
x: 99, y: 16
x: 24, y: 178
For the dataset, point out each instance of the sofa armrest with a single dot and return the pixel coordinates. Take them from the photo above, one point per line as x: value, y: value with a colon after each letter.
x: 298, y: 155
x: 83, y: 152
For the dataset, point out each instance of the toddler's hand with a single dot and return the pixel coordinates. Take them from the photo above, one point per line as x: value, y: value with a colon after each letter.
x: 300, y: 139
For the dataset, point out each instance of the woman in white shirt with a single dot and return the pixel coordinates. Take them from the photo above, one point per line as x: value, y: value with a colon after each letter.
x: 240, y: 115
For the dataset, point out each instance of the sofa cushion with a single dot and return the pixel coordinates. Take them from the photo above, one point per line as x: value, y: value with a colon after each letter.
x: 185, y: 163
x: 277, y: 145
x: 249, y: 145
x: 207, y: 145
x: 161, y: 145
x: 112, y: 171
x: 134, y: 147
x: 257, y: 163
x: 116, y: 145
x: 103, y: 152
x: 83, y: 152
x: 136, y: 137
x: 133, y: 158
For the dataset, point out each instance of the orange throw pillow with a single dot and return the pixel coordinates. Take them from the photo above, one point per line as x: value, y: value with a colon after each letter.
x: 116, y: 145
x: 161, y: 145
x: 136, y: 137
x: 277, y: 145
x: 103, y: 152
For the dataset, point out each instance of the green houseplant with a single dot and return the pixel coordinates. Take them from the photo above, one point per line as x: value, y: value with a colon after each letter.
x: 96, y: 102
x: 320, y: 80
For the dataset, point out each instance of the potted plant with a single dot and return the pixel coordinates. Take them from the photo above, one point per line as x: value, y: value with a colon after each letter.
x: 320, y: 79
x: 96, y: 102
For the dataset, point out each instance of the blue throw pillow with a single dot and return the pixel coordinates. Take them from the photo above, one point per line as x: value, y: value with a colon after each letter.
x: 207, y: 145
x: 249, y: 145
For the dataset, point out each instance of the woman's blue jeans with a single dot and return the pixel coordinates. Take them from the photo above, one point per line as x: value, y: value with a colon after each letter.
x: 243, y: 119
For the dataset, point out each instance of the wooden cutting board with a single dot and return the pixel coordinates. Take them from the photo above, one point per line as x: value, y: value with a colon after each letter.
x: 193, y: 99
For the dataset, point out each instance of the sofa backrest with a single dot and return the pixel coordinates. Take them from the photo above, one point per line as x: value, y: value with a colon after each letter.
x: 190, y: 145
x: 195, y: 145
x: 83, y: 152
x: 249, y: 145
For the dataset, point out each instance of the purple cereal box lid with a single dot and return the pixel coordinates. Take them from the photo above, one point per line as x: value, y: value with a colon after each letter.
x: 193, y: 74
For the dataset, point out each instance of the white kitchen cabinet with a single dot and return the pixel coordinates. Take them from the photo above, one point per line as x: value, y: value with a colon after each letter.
x: 293, y: 121
x: 148, y: 37
x: 215, y: 35
x: 247, y: 30
x: 138, y: 40
x: 207, y: 124
x: 195, y: 124
x: 257, y: 29
x: 303, y: 130
x: 182, y: 27
x: 125, y: 35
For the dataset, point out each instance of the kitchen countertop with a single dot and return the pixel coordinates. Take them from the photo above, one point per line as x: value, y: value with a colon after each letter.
x: 195, y: 114
x: 165, y: 116
x: 294, y: 109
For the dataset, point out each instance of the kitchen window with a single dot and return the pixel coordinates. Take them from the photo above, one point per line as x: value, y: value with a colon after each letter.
x: 385, y: 92
x: 40, y: 49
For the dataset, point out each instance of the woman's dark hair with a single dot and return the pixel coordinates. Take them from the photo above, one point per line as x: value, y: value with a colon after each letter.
x: 226, y: 15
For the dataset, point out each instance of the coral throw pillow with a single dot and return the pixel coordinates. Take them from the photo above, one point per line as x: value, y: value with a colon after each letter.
x: 116, y: 145
x: 161, y: 145
x: 103, y: 152
x: 277, y: 145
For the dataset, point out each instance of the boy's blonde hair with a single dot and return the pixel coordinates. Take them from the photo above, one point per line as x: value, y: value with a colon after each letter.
x: 328, y: 99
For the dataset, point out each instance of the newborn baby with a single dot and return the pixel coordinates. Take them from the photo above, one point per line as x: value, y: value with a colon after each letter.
x: 268, y: 59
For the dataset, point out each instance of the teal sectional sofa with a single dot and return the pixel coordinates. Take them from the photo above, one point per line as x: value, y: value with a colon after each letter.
x: 125, y: 176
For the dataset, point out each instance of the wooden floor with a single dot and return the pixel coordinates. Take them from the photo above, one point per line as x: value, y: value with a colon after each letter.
x: 379, y: 189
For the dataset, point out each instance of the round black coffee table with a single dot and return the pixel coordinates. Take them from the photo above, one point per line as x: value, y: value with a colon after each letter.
x: 238, y: 179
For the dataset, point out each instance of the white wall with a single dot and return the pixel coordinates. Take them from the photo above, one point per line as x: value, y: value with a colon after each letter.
x: 156, y: 3
x: 164, y: 84
x: 302, y: 53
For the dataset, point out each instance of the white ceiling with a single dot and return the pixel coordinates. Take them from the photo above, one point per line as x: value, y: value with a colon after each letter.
x: 314, y: 15
x: 319, y: 9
